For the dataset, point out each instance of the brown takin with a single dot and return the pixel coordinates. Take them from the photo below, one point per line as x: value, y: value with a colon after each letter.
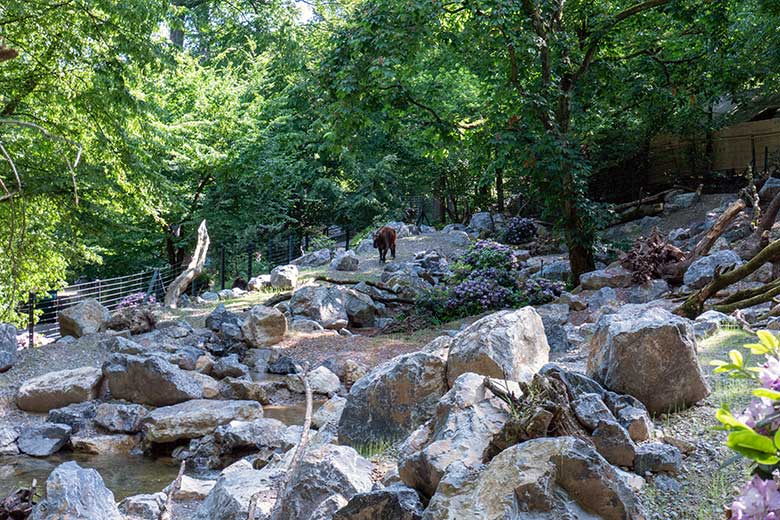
x: 384, y: 239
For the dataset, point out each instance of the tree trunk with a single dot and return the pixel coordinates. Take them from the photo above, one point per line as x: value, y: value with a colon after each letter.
x: 578, y: 240
x: 194, y: 268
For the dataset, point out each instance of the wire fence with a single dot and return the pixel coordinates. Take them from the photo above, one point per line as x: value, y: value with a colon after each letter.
x: 42, y: 309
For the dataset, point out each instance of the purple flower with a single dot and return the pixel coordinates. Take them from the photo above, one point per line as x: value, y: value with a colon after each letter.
x: 770, y: 373
x: 759, y: 500
x: 757, y: 411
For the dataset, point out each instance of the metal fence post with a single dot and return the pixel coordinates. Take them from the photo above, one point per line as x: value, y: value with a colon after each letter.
x: 222, y: 267
x: 31, y: 320
x: 766, y: 159
x: 289, y: 247
x: 99, y: 290
x: 268, y: 257
x: 346, y: 240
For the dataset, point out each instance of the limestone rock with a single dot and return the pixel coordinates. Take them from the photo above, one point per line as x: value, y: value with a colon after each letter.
x: 77, y: 415
x: 323, y: 304
x: 314, y: 259
x: 506, y: 344
x: 196, y: 418
x: 143, y: 507
x: 263, y: 326
x: 8, y: 346
x: 702, y: 271
x: 8, y: 436
x: 615, y: 277
x: 614, y: 444
x: 58, y: 389
x: 138, y: 319
x: 345, y: 261
x: 120, y: 444
x: 44, y: 439
x: 120, y: 418
x: 549, y: 478
x: 149, y: 380
x: 73, y: 492
x: 656, y: 457
x: 392, y: 503
x: 86, y: 317
x: 284, y: 277
x: 393, y: 399
x: 648, y: 353
x: 329, y: 413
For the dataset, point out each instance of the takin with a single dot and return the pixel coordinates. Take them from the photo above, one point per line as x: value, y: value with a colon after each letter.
x: 384, y: 239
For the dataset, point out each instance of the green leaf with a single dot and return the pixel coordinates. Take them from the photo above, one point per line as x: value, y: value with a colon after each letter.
x: 750, y: 440
x: 736, y: 358
x: 765, y: 392
x: 727, y: 419
x: 768, y: 339
x: 757, y: 348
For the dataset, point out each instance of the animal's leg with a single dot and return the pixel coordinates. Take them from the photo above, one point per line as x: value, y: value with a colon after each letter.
x: 392, y: 251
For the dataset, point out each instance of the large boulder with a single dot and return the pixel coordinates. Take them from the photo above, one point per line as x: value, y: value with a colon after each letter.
x: 467, y: 418
x: 83, y: 318
x: 396, y: 502
x: 138, y: 319
x: 506, y: 345
x: 77, y: 493
x: 264, y: 433
x: 149, y: 380
x: 121, y: 444
x: 648, y: 353
x: 613, y: 276
x: 323, y: 304
x: 314, y: 259
x: 77, y: 415
x: 393, y: 399
x: 482, y: 223
x: 284, y: 277
x: 263, y: 326
x: 196, y: 418
x: 8, y: 346
x: 58, y: 389
x: 345, y: 261
x: 361, y: 309
x: 326, y: 471
x: 120, y: 417
x: 546, y: 478
x: 702, y: 271
x: 237, y: 485
x: 44, y: 439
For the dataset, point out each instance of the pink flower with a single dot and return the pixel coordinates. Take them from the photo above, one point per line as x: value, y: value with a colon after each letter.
x: 770, y: 373
x: 760, y: 500
x: 759, y: 408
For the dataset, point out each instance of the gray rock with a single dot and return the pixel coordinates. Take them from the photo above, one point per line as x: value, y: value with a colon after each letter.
x: 323, y: 304
x: 284, y: 365
x: 361, y: 309
x: 656, y: 457
x: 345, y: 261
x: 229, y: 498
x: 120, y: 418
x: 314, y: 259
x: 462, y: 431
x: 329, y: 413
x: 259, y: 434
x: 614, y: 444
x: 8, y: 436
x: 648, y: 292
x: 552, y: 478
x: 259, y: 283
x: 77, y: 416
x: 209, y: 296
x: 306, y: 325
x: 636, y: 421
x: 666, y: 484
x: 590, y: 410
x: 44, y: 439
x: 143, y: 507
x: 243, y: 390
x: 73, y: 492
x: 505, y: 344
x: 196, y: 418
x: 770, y: 188
x: 702, y: 271
x: 709, y: 322
x: 614, y: 277
x: 648, y: 353
x: 680, y: 201
x: 393, y: 399
x: 229, y: 366
x: 8, y: 346
x: 396, y: 502
x: 284, y: 277
x: 555, y: 270
x: 115, y: 444
x: 58, y: 389
x: 263, y: 326
x: 578, y: 385
x: 86, y: 317
x: 482, y: 223
x: 326, y: 471
x: 149, y: 380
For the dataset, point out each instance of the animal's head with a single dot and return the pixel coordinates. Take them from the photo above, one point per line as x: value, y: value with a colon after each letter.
x: 376, y: 239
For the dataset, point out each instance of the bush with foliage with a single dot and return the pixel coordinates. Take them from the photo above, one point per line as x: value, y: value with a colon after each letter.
x: 519, y: 230
x: 755, y: 433
x: 487, y: 278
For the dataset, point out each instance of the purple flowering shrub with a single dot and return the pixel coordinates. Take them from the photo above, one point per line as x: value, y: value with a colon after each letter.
x: 487, y: 278
x: 755, y: 433
x: 135, y: 299
x: 519, y: 230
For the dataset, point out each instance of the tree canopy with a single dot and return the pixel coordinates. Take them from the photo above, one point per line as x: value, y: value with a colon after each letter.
x: 124, y: 124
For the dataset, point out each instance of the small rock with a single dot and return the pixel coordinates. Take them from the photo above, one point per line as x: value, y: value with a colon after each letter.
x: 345, y: 261
x: 87, y: 317
x: 120, y: 444
x: 77, y: 416
x: 120, y: 418
x: 656, y: 457
x: 8, y: 436
x: 229, y: 366
x: 284, y: 277
x: 42, y: 440
x: 666, y: 484
x: 193, y: 488
x: 614, y: 444
x: 8, y: 346
x: 590, y: 410
x: 143, y: 507
x: 263, y: 326
x: 73, y: 492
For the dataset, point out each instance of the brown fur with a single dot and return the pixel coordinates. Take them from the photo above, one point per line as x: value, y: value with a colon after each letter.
x: 384, y: 240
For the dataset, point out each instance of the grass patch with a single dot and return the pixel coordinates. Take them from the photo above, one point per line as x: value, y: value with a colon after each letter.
x: 374, y: 449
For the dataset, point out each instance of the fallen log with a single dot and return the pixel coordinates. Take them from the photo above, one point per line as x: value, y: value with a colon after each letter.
x: 19, y: 504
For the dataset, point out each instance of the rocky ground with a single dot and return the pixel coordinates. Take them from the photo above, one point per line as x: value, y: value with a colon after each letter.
x: 213, y: 385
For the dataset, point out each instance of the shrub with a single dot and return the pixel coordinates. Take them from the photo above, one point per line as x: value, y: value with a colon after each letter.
x: 519, y: 230
x: 485, y: 254
x: 135, y: 299
x: 755, y: 433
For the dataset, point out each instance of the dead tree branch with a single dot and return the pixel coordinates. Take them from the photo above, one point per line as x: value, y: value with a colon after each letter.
x: 167, y: 509
x: 193, y: 269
